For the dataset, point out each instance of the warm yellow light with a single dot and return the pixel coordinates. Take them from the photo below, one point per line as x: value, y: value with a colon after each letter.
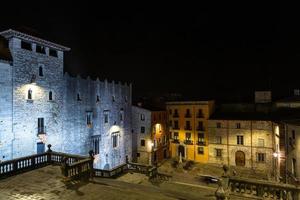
x: 114, y: 128
x: 276, y: 155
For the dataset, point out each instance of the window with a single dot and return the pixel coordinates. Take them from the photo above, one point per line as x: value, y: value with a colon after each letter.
x: 293, y: 134
x: 188, y: 136
x: 53, y: 52
x: 218, y: 140
x: 89, y: 116
x: 261, y: 157
x: 201, y: 150
x: 126, y: 99
x: 175, y: 113
x: 142, y: 143
x: 78, y: 97
x: 261, y: 142
x: 98, y: 99
x: 142, y: 129
x: 50, y: 96
x: 170, y: 111
x: 238, y: 125
x: 240, y: 139
x: 41, y: 70
x: 188, y: 113
x: 106, y: 117
x: 96, y: 145
x: 113, y: 98
x: 201, y: 137
x: 138, y: 155
x: 26, y: 45
x: 41, y: 127
x: 175, y: 135
x: 29, y: 94
x: 170, y: 123
x: 142, y: 117
x: 200, y: 126
x: 218, y: 153
x: 218, y: 125
x: 115, y: 140
x: 40, y: 49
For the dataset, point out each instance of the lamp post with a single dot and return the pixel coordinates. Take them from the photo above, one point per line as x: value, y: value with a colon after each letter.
x: 276, y: 156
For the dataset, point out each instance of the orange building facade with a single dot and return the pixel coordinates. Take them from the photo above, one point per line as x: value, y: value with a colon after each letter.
x: 188, y: 126
x: 159, y: 136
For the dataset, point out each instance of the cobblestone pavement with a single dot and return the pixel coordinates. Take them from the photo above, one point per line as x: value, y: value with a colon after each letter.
x: 47, y: 184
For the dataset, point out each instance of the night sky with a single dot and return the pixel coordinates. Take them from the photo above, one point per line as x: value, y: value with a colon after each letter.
x: 196, y: 50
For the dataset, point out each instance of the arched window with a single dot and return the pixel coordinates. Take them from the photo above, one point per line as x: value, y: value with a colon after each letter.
x: 50, y: 96
x: 41, y: 71
x: 29, y: 94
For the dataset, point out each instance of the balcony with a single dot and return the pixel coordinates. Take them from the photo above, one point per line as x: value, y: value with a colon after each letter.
x: 200, y: 128
x: 201, y: 143
x: 188, y: 128
x: 175, y: 115
x: 176, y: 141
x: 188, y: 115
x: 176, y: 128
x: 188, y: 142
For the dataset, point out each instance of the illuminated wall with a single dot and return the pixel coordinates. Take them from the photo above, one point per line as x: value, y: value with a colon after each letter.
x: 72, y: 119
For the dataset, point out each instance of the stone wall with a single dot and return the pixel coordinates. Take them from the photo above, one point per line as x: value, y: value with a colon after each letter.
x: 6, y: 136
x: 252, y: 132
x: 137, y: 123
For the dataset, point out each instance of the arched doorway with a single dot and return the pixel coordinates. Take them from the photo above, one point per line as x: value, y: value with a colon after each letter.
x: 181, y: 150
x: 240, y: 158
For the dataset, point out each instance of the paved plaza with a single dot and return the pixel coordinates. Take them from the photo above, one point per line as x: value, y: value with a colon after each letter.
x: 47, y: 183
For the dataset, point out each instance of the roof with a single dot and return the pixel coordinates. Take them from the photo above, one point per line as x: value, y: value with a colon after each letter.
x: 30, y: 38
x: 4, y: 51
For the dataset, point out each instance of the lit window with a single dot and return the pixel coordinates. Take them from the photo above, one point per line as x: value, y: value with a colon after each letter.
x: 188, y: 136
x: 201, y: 150
x: 240, y: 139
x: 261, y: 157
x: 175, y: 135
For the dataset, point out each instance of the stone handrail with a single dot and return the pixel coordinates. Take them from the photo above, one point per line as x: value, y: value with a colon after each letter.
x: 78, y: 169
x: 19, y: 165
x: 27, y: 163
x: 260, y: 189
x: 111, y: 173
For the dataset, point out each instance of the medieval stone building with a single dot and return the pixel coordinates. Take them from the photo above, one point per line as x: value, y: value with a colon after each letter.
x: 41, y: 105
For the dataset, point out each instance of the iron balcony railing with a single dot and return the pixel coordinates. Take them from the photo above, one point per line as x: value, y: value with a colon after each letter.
x: 188, y: 142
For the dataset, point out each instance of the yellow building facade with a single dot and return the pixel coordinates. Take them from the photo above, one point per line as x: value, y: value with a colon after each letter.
x: 188, y: 122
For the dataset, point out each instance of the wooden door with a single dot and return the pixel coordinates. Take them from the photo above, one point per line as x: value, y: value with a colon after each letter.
x: 240, y: 158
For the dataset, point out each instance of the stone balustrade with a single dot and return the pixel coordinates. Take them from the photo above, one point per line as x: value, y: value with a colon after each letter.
x: 259, y: 189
